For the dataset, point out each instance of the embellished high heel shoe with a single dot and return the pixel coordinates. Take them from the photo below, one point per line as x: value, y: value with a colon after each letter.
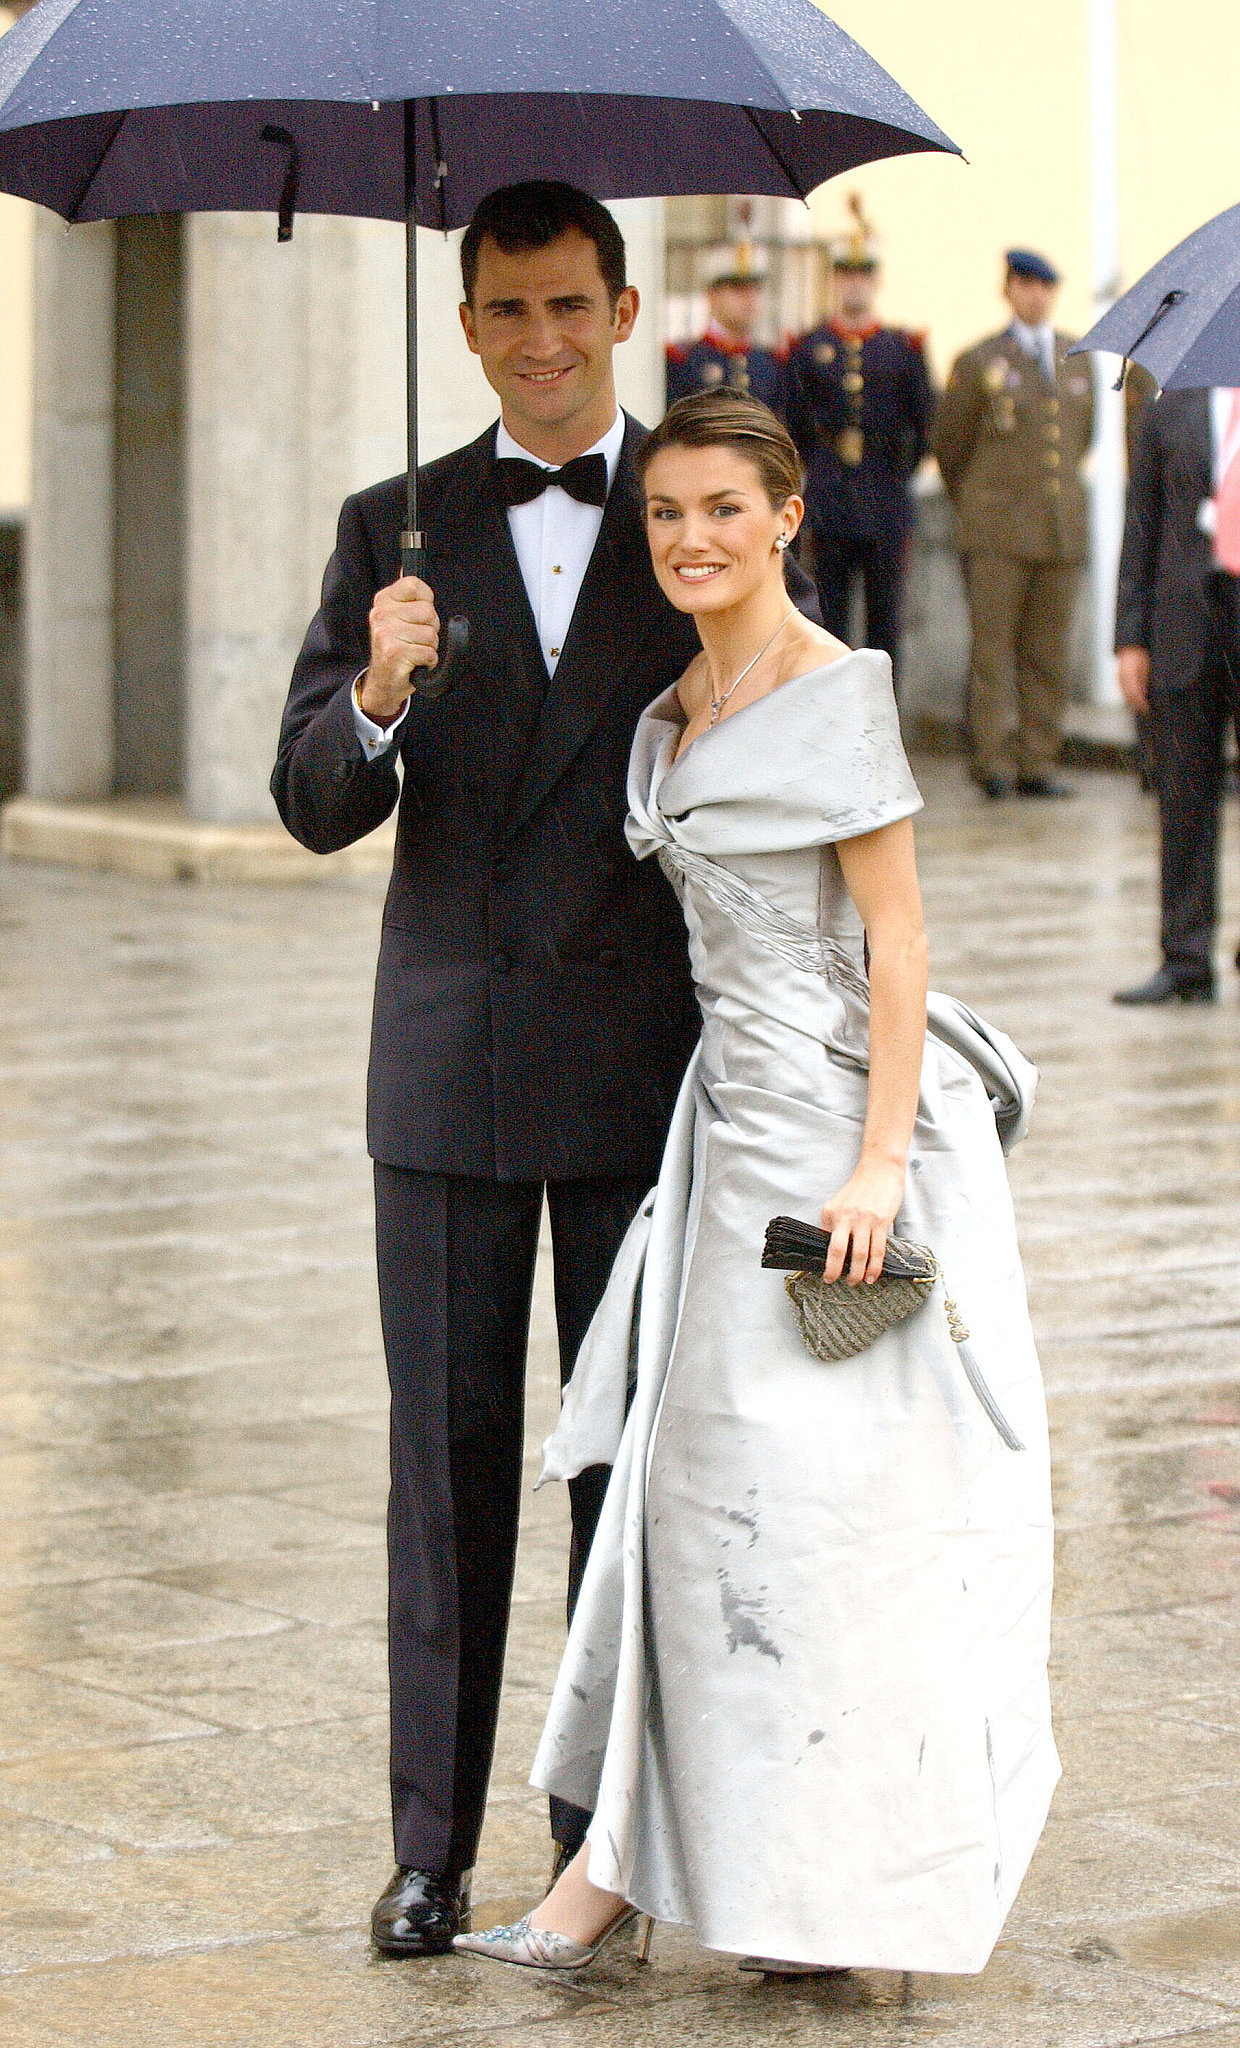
x: 541, y: 1948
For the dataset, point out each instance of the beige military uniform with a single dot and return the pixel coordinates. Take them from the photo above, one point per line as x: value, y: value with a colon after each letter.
x: 1010, y: 445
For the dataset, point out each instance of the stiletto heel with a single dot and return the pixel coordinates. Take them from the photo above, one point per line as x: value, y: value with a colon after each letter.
x: 644, y: 1938
x: 541, y: 1948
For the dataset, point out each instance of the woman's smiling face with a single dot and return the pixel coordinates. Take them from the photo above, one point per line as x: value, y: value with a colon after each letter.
x: 711, y: 527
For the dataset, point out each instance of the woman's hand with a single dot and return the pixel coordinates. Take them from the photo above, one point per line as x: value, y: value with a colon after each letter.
x: 860, y: 1216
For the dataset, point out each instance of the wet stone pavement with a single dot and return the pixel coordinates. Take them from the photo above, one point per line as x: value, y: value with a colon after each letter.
x: 192, y: 1441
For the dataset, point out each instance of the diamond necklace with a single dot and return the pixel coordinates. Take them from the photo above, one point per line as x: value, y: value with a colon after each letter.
x: 717, y: 703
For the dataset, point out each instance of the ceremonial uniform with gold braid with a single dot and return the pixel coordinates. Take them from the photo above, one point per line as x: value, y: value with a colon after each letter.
x: 860, y: 405
x: 719, y: 361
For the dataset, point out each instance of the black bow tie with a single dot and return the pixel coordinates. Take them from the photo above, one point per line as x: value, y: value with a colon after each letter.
x: 584, y: 478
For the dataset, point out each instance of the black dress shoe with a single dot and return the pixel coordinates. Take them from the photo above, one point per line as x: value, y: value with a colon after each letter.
x: 1168, y: 987
x: 419, y: 1914
x: 993, y: 786
x: 1042, y: 785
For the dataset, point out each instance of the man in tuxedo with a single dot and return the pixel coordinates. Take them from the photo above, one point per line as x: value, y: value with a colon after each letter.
x: 1177, y: 636
x: 533, y: 1009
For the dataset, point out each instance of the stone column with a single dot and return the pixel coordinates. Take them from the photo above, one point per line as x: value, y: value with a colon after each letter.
x: 149, y: 627
x: 69, y: 567
x: 640, y: 374
x: 268, y: 334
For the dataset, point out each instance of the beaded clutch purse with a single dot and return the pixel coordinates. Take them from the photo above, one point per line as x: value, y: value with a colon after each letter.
x: 837, y: 1321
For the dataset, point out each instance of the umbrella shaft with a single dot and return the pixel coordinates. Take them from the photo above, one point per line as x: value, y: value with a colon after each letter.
x: 411, y: 539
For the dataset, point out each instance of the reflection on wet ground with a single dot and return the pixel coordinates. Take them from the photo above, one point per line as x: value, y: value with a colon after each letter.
x: 192, y: 1444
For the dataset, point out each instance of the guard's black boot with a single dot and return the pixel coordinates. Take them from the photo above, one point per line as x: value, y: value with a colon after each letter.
x: 419, y: 1914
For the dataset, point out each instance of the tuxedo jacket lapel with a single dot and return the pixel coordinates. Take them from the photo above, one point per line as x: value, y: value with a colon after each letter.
x: 614, y: 613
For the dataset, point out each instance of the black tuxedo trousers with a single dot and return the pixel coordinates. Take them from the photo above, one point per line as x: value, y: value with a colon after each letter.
x: 1185, y: 737
x: 456, y: 1270
x: 1172, y: 600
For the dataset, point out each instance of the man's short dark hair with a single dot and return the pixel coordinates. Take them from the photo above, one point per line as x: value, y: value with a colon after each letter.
x: 530, y: 216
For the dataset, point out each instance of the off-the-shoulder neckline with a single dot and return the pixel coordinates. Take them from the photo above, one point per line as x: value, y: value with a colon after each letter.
x: 681, y: 754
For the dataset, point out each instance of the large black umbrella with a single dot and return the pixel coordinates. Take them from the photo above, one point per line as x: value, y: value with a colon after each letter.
x: 1181, y: 321
x: 414, y: 109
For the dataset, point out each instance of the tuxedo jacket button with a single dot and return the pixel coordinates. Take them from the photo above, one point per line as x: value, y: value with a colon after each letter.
x: 608, y: 956
x: 501, y: 962
x: 341, y: 772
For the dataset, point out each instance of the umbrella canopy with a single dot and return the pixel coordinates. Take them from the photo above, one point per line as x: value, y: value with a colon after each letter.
x: 117, y: 107
x: 1181, y: 321
x: 414, y: 109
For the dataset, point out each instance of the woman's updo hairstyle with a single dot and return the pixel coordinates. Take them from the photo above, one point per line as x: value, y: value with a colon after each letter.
x: 730, y: 419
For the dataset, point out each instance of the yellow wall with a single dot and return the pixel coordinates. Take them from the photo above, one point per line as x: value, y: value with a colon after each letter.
x: 16, y: 222
x: 1011, y: 86
x: 1179, y: 163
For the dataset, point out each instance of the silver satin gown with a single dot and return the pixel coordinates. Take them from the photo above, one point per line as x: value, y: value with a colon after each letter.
x: 805, y: 1688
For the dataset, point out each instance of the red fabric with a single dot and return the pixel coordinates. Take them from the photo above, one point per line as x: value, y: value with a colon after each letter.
x: 1227, y: 497
x: 862, y: 333
x: 727, y: 343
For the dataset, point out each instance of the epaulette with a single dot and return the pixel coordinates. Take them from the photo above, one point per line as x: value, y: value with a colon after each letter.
x: 916, y: 338
x: 678, y: 351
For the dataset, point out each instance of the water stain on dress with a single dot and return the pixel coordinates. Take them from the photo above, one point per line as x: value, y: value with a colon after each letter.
x: 749, y: 1522
x: 740, y: 1618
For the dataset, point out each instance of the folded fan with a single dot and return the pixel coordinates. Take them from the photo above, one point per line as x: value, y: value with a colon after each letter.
x: 796, y: 1247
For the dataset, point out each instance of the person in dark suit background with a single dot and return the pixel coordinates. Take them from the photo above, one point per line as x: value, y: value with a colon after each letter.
x: 1177, y: 637
x: 533, y: 1007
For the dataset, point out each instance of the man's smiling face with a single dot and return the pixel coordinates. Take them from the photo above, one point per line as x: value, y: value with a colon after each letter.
x: 544, y: 328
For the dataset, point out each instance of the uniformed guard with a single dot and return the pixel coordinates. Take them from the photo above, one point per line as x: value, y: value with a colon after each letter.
x: 860, y: 405
x: 727, y: 354
x: 1013, y: 429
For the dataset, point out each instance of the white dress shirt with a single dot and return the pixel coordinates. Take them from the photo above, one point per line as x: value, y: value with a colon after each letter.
x: 1038, y: 342
x: 554, y: 538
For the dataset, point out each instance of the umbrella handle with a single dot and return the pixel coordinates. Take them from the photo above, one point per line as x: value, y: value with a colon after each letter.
x: 441, y: 678
x: 438, y: 680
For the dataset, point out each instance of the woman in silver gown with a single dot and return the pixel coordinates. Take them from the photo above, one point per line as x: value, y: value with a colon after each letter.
x: 805, y: 1688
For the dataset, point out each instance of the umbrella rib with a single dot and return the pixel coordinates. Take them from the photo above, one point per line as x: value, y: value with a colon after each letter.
x: 1168, y: 300
x: 752, y: 117
x: 80, y: 197
x: 441, y: 168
